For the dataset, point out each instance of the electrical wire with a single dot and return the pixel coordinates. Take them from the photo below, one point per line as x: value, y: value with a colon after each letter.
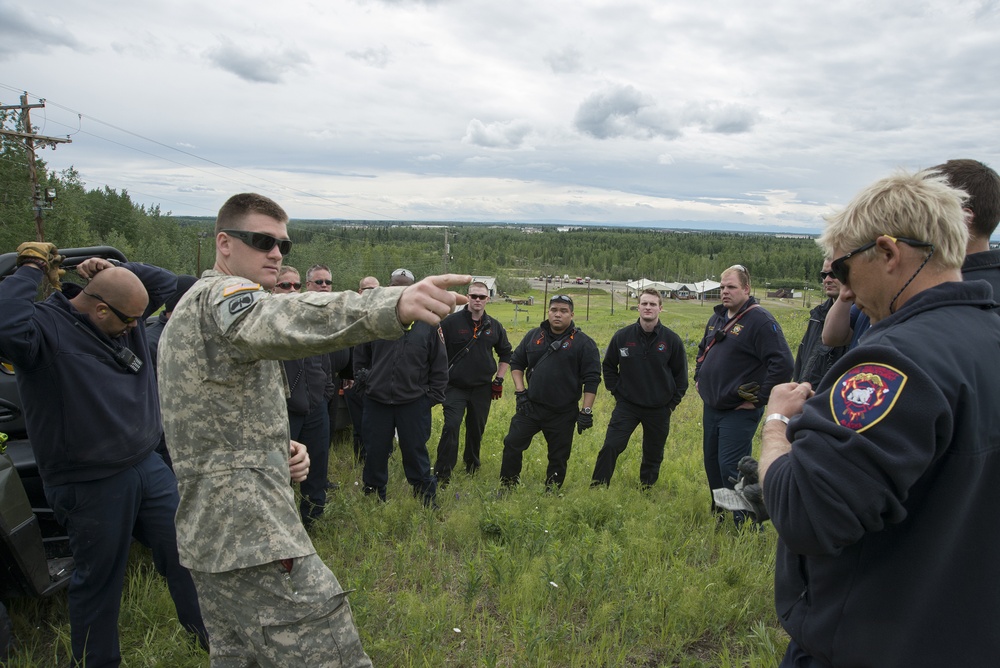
x: 81, y: 116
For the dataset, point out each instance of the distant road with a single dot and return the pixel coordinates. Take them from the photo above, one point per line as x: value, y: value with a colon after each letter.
x: 559, y: 284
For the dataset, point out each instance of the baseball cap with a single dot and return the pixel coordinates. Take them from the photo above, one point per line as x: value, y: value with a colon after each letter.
x: 402, y: 272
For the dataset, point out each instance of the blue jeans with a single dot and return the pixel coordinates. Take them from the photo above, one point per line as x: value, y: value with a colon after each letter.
x: 728, y: 437
x: 101, y: 517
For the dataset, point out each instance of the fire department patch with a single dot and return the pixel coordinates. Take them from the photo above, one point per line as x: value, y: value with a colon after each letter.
x: 865, y: 394
x: 735, y: 331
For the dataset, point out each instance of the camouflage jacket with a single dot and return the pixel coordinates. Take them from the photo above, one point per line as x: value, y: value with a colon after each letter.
x: 222, y: 395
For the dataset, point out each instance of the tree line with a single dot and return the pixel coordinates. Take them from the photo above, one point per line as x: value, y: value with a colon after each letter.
x: 354, y: 249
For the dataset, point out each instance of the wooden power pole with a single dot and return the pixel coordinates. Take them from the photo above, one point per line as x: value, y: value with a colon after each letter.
x: 27, y: 134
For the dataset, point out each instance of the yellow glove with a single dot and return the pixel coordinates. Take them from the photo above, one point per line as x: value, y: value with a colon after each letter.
x: 35, y: 250
x: 55, y: 271
x: 30, y: 251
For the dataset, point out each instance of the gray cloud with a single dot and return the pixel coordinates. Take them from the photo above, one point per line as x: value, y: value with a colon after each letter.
x: 503, y: 134
x: 721, y: 118
x: 565, y: 61
x: 375, y: 57
x: 256, y: 65
x: 877, y: 119
x: 24, y: 32
x: 623, y: 111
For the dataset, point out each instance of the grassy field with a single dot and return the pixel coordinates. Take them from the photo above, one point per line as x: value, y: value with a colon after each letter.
x: 583, y: 577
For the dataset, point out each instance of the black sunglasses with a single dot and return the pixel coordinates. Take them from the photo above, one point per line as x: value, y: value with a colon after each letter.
x: 839, y: 266
x: 565, y: 299
x: 321, y: 281
x: 262, y: 242
x: 823, y: 275
x: 286, y: 285
x: 126, y: 319
x: 471, y: 296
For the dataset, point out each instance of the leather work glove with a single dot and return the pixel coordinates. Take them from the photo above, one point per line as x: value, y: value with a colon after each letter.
x: 522, y: 401
x: 55, y: 272
x: 35, y: 250
x: 42, y: 253
x: 748, y: 392
x: 497, y: 388
x: 584, y: 421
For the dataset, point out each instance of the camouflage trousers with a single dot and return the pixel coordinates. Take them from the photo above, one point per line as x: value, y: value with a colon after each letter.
x: 269, y: 617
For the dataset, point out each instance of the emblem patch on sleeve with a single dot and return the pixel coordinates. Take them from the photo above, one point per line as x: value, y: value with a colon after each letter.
x: 865, y: 394
x: 236, y: 299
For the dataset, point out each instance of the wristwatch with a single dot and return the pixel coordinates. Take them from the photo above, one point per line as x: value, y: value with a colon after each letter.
x: 776, y: 416
x: 587, y: 410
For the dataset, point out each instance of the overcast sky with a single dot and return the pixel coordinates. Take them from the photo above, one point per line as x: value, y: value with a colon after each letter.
x: 729, y: 113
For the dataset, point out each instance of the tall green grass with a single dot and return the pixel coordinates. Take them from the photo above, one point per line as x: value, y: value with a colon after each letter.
x: 616, y: 576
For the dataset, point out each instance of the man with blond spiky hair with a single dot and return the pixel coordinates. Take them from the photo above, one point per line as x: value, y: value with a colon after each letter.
x: 882, y: 481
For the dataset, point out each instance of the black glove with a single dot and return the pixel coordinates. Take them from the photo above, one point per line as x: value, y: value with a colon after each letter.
x: 748, y: 485
x: 584, y: 421
x: 497, y: 388
x: 522, y: 401
x: 361, y: 380
x: 748, y: 392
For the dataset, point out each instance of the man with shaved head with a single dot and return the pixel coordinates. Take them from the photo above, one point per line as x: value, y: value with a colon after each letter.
x: 86, y: 379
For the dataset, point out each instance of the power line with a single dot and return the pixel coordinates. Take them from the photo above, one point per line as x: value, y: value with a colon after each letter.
x: 82, y: 116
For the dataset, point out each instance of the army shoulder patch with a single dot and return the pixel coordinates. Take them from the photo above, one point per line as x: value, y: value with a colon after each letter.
x: 235, y: 300
x: 864, y: 395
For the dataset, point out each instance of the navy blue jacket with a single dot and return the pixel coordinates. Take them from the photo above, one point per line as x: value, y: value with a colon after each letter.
x: 646, y: 369
x: 559, y: 381
x: 476, y: 367
x: 984, y: 266
x: 886, y: 504
x: 754, y: 350
x: 87, y: 418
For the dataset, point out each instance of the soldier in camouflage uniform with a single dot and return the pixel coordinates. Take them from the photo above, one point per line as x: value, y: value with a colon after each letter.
x: 267, y: 598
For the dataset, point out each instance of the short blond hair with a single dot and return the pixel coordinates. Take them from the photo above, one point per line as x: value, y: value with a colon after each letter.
x: 920, y: 206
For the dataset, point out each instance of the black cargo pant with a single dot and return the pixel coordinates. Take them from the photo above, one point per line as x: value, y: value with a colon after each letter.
x: 624, y: 419
x: 459, y: 401
x: 557, y: 427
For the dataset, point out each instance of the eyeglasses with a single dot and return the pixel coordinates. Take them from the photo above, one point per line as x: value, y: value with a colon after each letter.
x: 286, y: 285
x: 262, y: 242
x: 839, y: 266
x: 126, y: 319
x: 565, y: 299
x: 321, y: 281
x: 823, y: 275
x: 369, y: 287
x: 479, y: 296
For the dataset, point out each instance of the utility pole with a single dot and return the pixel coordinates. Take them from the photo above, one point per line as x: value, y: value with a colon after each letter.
x: 30, y: 138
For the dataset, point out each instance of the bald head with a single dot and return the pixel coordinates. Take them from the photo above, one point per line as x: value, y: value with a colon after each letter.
x: 120, y: 286
x: 111, y: 289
